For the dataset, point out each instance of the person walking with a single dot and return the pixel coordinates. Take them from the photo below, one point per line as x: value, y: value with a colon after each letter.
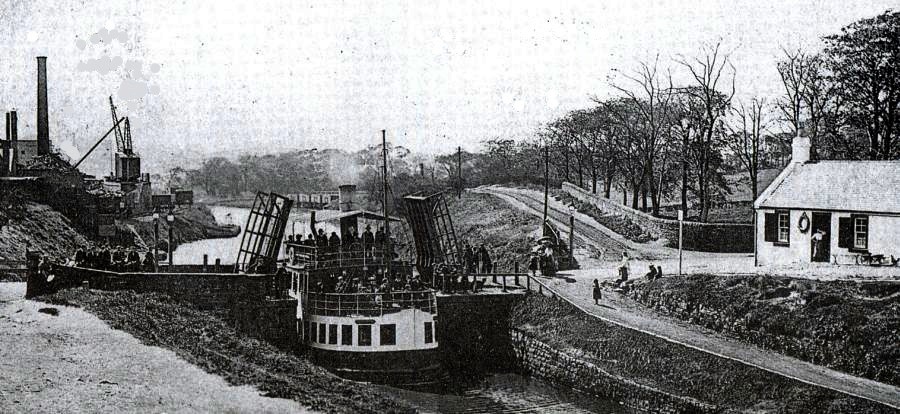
x: 486, y: 264
x: 598, y: 293
x: 533, y: 264
x: 623, y: 267
x: 476, y: 261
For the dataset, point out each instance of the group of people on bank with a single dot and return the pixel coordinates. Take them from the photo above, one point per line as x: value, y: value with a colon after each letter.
x: 116, y: 259
x: 623, y: 284
x: 477, y: 260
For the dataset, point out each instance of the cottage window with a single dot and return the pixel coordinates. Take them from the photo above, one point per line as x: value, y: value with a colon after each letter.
x: 861, y: 233
x: 784, y: 227
x: 346, y: 334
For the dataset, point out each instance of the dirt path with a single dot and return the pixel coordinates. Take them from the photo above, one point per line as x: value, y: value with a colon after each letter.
x: 575, y: 287
x: 589, y: 232
x: 74, y: 362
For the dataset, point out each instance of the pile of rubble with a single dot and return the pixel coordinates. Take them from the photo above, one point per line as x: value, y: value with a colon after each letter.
x: 51, y: 162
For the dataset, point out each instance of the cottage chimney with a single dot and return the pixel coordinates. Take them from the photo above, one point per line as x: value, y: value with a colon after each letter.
x: 800, y: 149
x: 43, y: 123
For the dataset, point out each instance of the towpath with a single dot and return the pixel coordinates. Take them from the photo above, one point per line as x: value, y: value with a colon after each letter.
x: 74, y: 362
x: 575, y: 287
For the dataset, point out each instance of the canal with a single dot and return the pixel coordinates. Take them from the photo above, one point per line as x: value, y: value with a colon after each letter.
x: 494, y: 393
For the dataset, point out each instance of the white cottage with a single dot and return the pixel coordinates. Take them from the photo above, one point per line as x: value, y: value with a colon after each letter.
x: 829, y: 211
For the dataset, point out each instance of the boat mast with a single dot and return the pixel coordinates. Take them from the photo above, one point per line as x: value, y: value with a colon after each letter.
x: 387, y: 222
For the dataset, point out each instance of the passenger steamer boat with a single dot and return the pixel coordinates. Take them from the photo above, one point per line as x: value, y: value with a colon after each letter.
x: 356, y: 329
x: 362, y: 312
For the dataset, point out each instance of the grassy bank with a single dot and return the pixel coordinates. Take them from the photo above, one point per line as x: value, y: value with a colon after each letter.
x: 673, y: 368
x: 507, y: 233
x: 209, y: 343
x: 848, y: 326
x: 616, y: 223
x: 192, y: 223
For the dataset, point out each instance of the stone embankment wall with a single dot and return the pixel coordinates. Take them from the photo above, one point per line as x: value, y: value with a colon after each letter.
x: 255, y: 304
x: 559, y: 367
x: 706, y: 237
x: 473, y: 332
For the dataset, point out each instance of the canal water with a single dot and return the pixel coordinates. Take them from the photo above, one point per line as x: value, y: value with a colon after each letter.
x: 495, y: 393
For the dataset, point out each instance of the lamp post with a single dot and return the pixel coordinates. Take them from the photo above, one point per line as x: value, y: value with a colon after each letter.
x: 156, y: 241
x: 171, y: 219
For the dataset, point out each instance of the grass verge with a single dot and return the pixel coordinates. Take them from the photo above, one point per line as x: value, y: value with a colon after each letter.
x: 673, y: 368
x: 848, y: 326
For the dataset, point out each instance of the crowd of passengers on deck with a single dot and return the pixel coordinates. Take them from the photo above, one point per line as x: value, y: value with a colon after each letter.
x: 362, y: 280
x: 350, y: 240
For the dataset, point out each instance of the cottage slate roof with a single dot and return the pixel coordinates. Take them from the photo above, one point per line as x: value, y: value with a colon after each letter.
x: 860, y: 186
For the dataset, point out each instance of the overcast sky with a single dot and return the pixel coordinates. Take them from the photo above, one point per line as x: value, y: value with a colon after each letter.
x: 219, y: 77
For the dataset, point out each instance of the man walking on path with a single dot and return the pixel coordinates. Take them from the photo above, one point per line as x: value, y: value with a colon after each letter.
x: 486, y: 265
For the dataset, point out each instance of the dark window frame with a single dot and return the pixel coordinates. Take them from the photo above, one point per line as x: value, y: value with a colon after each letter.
x: 332, y: 334
x: 364, y: 335
x: 346, y: 334
x: 429, y: 332
x: 387, y: 334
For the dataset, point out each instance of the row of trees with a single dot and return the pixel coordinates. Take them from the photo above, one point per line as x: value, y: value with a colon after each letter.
x: 659, y: 140
x: 656, y: 141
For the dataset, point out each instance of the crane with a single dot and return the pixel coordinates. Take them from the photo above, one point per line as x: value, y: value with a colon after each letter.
x: 123, y: 134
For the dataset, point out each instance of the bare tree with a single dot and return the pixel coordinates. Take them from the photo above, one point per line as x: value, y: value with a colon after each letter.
x: 707, y: 73
x: 650, y: 102
x: 747, y: 135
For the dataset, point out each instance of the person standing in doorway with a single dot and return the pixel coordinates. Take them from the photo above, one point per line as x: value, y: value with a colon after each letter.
x: 817, y: 239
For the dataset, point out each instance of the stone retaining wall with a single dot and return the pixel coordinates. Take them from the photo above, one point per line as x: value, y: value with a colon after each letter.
x: 257, y: 305
x: 473, y: 332
x: 706, y: 237
x: 540, y: 360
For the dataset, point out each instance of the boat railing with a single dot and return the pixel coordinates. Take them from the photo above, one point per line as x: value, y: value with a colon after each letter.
x: 355, y: 255
x: 368, y: 304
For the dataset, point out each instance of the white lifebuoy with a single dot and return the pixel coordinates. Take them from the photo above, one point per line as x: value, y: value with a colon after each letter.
x: 803, y: 223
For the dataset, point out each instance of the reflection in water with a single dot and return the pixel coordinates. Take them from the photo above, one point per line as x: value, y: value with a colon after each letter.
x: 506, y: 393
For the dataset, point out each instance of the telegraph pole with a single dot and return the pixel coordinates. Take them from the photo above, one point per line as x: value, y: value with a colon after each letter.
x: 387, y: 221
x: 546, y: 180
x: 459, y: 172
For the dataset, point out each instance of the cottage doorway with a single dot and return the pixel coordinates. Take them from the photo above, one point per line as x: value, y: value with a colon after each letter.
x: 820, y: 246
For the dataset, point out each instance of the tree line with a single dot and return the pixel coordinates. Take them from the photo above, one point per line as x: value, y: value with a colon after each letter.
x: 658, y: 139
x: 669, y: 134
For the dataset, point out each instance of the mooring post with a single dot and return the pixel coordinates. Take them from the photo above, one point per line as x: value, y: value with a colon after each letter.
x: 218, y: 262
x: 528, y: 283
x: 516, y: 272
x: 494, y: 277
x: 504, y: 283
x: 205, y: 262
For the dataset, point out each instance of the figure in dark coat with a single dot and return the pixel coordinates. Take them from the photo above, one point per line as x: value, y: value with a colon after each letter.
x: 486, y: 265
x: 598, y: 293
